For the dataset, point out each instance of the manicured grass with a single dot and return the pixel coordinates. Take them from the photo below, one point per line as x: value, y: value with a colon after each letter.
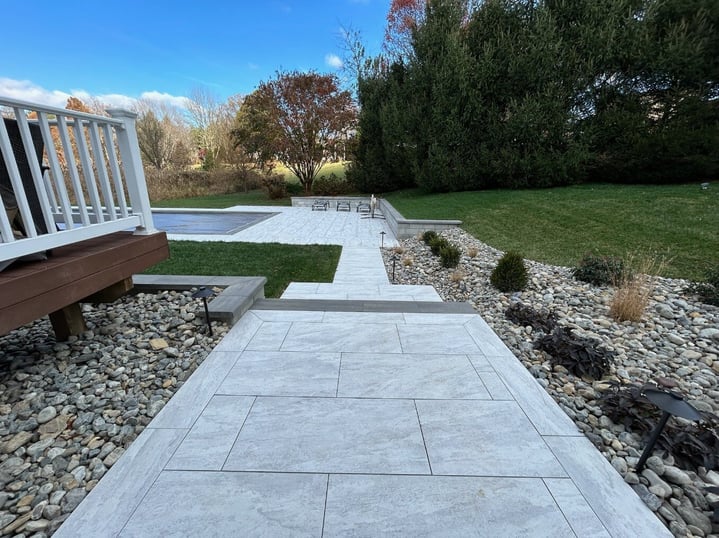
x: 221, y: 201
x: 281, y: 264
x: 557, y: 226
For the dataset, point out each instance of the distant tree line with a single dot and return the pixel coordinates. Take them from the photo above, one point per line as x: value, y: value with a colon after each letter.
x: 522, y: 93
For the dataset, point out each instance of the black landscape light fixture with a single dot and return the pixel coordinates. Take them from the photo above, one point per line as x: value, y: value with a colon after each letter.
x: 204, y: 293
x: 670, y: 403
x: 382, y: 234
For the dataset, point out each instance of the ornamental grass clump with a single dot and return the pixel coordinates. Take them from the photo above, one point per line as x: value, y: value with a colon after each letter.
x: 634, y: 289
x: 510, y: 274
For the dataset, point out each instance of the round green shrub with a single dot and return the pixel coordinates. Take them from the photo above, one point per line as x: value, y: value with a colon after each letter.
x: 510, y: 274
x: 428, y: 236
x: 599, y: 270
x: 449, y: 256
x: 436, y: 244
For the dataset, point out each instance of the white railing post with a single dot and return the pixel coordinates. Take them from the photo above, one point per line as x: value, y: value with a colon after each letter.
x: 132, y: 164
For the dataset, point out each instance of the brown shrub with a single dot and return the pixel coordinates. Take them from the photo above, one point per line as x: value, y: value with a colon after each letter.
x: 168, y: 184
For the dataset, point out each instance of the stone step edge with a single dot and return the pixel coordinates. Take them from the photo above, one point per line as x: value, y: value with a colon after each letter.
x: 238, y: 293
x: 340, y: 305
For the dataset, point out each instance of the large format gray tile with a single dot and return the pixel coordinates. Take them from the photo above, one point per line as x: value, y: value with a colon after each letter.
x: 579, y: 514
x: 109, y: 505
x: 621, y: 511
x: 283, y: 373
x: 188, y: 402
x: 547, y: 417
x: 203, y: 504
x: 484, y: 438
x: 209, y: 441
x: 361, y: 337
x: 436, y: 339
x: 269, y: 336
x: 496, y: 387
x: 240, y: 334
x: 330, y: 435
x: 441, y: 506
x: 376, y: 375
x: 487, y: 340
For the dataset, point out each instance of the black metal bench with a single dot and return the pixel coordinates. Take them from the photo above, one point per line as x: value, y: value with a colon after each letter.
x: 320, y: 205
x: 344, y: 206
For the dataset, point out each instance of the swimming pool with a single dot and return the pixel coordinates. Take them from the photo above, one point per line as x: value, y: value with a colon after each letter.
x: 206, y: 222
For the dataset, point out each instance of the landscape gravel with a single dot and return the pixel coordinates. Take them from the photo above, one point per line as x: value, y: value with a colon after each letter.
x: 69, y: 410
x: 676, y: 344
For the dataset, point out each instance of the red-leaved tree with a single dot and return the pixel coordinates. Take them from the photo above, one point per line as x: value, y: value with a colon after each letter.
x: 403, y: 18
x: 297, y: 118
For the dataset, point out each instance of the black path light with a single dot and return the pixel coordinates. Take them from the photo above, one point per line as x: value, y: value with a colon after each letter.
x: 382, y: 234
x: 670, y: 403
x: 204, y: 293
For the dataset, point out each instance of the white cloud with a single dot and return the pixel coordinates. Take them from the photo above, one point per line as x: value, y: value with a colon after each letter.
x: 334, y: 61
x: 159, y: 97
x: 26, y: 90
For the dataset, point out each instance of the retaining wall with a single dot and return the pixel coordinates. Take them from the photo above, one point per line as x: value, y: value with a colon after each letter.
x: 400, y: 226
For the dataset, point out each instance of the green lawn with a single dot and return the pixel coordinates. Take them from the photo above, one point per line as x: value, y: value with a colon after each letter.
x: 281, y: 264
x: 677, y: 222
x: 221, y: 201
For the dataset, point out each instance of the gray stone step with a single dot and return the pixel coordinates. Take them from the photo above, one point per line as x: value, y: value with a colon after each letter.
x: 330, y: 305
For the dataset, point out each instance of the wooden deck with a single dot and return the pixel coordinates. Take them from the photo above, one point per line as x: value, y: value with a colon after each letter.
x: 32, y: 290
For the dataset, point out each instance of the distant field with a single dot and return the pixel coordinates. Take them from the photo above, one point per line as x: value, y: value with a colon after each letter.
x: 337, y: 168
x: 677, y: 222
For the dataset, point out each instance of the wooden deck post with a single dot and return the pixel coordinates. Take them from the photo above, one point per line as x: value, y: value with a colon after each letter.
x: 68, y: 322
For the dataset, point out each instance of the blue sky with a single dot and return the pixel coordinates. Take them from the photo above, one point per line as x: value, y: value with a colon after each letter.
x: 164, y: 49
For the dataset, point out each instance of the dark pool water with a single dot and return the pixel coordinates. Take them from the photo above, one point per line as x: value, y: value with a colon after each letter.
x: 218, y: 223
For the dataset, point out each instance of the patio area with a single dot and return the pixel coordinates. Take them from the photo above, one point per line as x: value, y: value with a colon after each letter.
x: 410, y: 418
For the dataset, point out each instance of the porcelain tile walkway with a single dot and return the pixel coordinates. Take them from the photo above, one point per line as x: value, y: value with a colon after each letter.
x: 325, y: 423
x: 302, y: 226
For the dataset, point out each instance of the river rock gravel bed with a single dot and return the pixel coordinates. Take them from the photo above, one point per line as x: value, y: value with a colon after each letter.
x: 69, y: 410
x: 677, y: 341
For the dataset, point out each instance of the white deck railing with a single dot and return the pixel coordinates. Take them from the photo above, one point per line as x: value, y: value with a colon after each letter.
x: 91, y: 182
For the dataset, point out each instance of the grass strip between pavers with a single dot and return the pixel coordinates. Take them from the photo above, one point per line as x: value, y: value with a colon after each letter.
x: 279, y: 263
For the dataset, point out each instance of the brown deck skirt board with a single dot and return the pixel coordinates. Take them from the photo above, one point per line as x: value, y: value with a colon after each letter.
x: 30, y: 291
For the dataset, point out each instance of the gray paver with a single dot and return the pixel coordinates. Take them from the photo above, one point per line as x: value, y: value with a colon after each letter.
x: 436, y: 339
x: 376, y: 375
x: 441, y: 506
x: 206, y: 446
x: 484, y: 438
x: 283, y: 373
x: 230, y: 504
x: 371, y: 337
x: 330, y: 435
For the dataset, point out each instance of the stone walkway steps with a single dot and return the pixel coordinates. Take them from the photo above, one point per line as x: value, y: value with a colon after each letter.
x: 336, y: 305
x: 359, y: 408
